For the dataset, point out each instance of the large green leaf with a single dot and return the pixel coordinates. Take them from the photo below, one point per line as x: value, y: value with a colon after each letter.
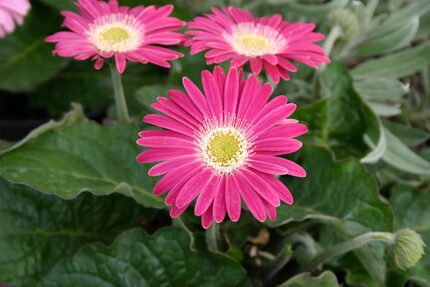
x: 396, y: 65
x: 37, y: 230
x: 398, y: 155
x: 409, y: 135
x: 387, y: 38
x: 325, y: 279
x: 76, y: 115
x: 415, y: 8
x: 341, y: 194
x: 380, y: 89
x: 342, y: 191
x: 26, y: 60
x: 138, y: 259
x: 424, y: 28
x: 83, y: 157
x: 341, y: 119
x: 309, y: 10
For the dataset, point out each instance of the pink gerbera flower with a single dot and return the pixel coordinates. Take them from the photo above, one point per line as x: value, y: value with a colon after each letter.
x: 104, y: 30
x: 234, y: 34
x: 222, y: 146
x: 12, y: 11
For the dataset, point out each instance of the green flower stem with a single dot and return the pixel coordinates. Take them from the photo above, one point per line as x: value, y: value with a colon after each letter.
x: 335, y: 33
x: 121, y: 104
x: 213, y: 237
x: 350, y: 245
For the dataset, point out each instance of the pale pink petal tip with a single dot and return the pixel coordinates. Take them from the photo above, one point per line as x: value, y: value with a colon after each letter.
x: 221, y: 145
x: 12, y: 13
x: 235, y: 35
x: 104, y: 30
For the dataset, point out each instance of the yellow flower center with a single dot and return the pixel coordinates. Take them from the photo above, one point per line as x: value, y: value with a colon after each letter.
x: 114, y: 36
x: 224, y: 149
x: 253, y: 45
x: 254, y: 39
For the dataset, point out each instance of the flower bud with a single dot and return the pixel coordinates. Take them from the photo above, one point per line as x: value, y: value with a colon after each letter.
x: 347, y: 20
x: 408, y: 248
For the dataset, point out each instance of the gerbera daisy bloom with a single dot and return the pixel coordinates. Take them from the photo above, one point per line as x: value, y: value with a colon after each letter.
x: 12, y: 11
x: 235, y: 34
x: 105, y: 29
x: 222, y: 145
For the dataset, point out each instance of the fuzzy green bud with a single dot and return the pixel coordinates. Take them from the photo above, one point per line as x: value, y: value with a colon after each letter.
x: 407, y: 249
x: 347, y: 20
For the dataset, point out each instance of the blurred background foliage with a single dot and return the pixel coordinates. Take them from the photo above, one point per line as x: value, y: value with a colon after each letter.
x: 367, y: 155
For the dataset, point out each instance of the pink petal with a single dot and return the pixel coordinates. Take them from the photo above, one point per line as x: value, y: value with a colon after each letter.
x: 168, y: 123
x: 207, y: 218
x: 207, y: 196
x: 166, y: 142
x: 277, y: 145
x: 168, y: 181
x: 219, y: 205
x: 251, y: 198
x: 285, y: 130
x: 260, y: 163
x: 155, y: 155
x: 196, y: 96
x: 232, y: 197
x: 193, y: 187
x: 260, y: 186
x: 212, y: 92
x: 169, y: 165
x: 231, y: 92
x: 283, y: 192
x: 256, y: 65
x: 274, y: 117
x: 120, y: 62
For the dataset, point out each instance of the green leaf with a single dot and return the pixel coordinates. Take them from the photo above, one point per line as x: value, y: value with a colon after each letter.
x: 382, y: 95
x: 138, y: 259
x: 396, y: 65
x: 359, y: 277
x: 416, y: 8
x: 378, y: 151
x: 424, y: 28
x: 385, y: 109
x: 401, y: 157
x: 76, y: 115
x: 341, y: 194
x: 26, y: 59
x: 380, y: 89
x: 83, y: 157
x: 37, y: 230
x: 325, y: 279
x: 387, y: 38
x: 310, y: 10
x: 343, y: 191
x: 341, y: 119
x: 408, y: 135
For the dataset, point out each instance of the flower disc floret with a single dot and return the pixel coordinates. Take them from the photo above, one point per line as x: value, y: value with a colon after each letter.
x: 224, y: 149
